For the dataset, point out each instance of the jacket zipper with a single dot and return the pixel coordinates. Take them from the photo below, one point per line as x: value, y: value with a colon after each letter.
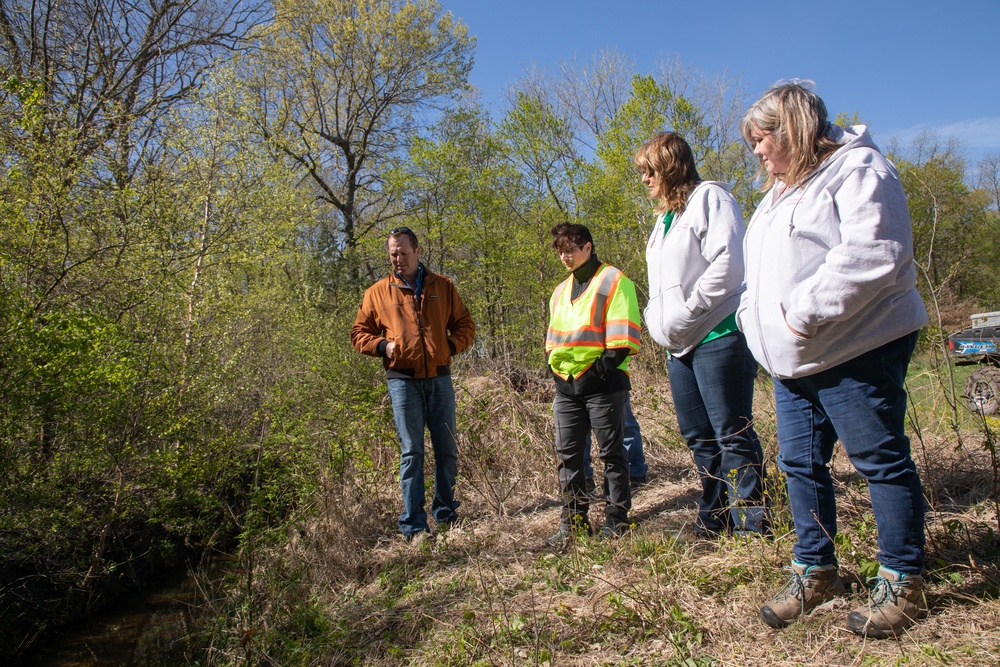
x: 757, y: 315
x: 420, y: 327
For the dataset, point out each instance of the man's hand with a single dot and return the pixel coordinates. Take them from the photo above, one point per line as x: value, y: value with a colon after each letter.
x: 390, y: 349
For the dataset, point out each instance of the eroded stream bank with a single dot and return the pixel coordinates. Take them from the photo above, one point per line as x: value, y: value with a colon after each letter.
x: 157, y: 628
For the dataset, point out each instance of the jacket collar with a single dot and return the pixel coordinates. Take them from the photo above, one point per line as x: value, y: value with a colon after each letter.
x: 422, y: 275
x: 583, y: 274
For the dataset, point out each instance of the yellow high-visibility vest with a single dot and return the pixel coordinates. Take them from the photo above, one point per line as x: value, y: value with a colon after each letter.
x: 605, y: 316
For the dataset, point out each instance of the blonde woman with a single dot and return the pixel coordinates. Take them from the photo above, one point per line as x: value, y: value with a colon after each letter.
x: 831, y: 310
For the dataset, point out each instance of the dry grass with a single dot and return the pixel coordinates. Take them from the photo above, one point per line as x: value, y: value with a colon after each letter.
x: 344, y: 589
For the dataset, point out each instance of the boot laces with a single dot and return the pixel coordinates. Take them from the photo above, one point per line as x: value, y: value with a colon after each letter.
x: 793, y: 588
x: 883, y: 592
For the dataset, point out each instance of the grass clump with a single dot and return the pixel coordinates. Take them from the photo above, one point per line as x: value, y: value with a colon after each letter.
x: 346, y: 590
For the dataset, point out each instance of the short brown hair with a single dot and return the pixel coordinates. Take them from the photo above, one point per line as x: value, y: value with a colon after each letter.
x: 568, y: 234
x: 670, y: 158
x: 404, y: 231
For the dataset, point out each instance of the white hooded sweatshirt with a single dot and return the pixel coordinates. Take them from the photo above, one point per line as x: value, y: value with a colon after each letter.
x: 833, y: 260
x: 695, y: 269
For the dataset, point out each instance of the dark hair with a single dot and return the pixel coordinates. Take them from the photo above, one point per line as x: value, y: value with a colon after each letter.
x: 565, y: 235
x: 669, y: 157
x: 404, y: 231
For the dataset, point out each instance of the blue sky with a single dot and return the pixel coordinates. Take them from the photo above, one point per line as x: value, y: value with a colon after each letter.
x: 904, y: 66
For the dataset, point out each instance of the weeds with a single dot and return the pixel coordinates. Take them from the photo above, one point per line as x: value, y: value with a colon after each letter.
x: 346, y: 591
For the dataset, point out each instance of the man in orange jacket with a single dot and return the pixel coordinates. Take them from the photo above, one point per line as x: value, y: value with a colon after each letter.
x: 415, y: 321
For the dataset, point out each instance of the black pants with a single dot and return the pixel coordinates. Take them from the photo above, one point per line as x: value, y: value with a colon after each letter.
x: 575, y: 416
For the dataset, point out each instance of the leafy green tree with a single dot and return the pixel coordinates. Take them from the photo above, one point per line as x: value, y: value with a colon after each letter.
x: 479, y: 216
x: 337, y: 87
x: 613, y: 194
x: 720, y: 101
x: 541, y: 144
x: 616, y: 204
x: 988, y: 178
x: 987, y: 238
x: 134, y: 317
x: 948, y: 219
x: 100, y: 75
x: 585, y: 93
x: 843, y: 120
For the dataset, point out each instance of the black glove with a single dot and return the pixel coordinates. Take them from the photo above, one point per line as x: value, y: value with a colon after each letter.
x: 610, y: 360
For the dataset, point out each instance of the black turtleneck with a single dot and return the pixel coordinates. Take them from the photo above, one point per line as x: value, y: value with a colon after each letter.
x: 582, y: 275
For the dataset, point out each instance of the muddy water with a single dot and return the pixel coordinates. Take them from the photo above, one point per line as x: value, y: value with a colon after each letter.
x: 152, y: 630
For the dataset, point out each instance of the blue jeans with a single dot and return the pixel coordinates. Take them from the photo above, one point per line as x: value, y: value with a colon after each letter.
x: 574, y: 417
x: 633, y: 447
x: 863, y: 402
x: 712, y: 388
x: 416, y: 404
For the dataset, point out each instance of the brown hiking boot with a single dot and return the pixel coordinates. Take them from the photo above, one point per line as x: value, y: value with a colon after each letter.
x: 895, y: 601
x: 808, y: 587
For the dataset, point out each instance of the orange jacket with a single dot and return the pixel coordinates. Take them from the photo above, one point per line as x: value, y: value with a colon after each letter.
x: 389, y: 312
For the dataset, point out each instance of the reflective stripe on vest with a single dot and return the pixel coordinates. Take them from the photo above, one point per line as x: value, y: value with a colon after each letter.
x: 581, y: 340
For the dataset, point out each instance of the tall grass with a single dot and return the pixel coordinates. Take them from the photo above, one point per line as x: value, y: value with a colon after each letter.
x: 335, y: 585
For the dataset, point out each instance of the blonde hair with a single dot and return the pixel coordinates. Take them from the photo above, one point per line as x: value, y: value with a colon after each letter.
x: 669, y: 157
x: 796, y: 119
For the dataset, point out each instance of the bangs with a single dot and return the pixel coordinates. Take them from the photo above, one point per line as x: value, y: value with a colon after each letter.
x: 641, y: 160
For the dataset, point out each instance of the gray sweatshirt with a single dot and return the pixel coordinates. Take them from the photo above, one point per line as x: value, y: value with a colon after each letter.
x: 695, y: 269
x: 829, y: 265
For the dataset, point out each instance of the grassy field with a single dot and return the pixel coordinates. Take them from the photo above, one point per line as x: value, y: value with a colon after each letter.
x: 342, y: 588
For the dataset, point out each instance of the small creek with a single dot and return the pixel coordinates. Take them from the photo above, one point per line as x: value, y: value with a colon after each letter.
x: 154, y: 629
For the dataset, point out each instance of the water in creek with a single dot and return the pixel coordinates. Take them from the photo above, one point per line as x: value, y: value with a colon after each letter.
x: 152, y: 630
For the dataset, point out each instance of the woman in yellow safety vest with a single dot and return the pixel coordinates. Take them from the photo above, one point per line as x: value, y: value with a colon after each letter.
x: 593, y: 330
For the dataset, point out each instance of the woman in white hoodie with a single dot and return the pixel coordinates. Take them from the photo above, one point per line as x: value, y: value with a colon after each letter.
x: 695, y: 261
x: 831, y: 310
